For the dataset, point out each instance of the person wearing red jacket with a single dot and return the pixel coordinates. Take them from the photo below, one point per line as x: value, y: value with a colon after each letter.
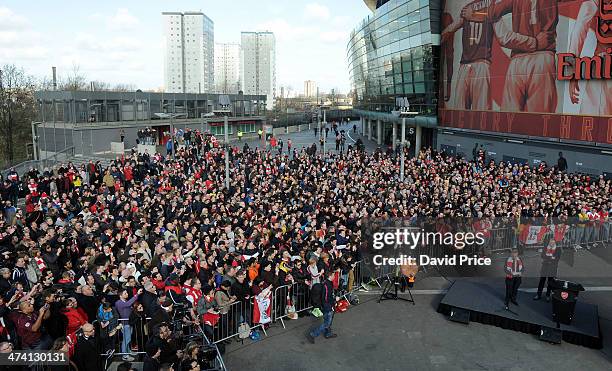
x: 76, y: 316
x: 158, y: 282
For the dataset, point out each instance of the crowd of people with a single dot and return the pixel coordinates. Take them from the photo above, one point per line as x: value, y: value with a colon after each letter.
x: 98, y: 252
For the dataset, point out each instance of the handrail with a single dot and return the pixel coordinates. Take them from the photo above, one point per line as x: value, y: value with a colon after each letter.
x: 24, y: 166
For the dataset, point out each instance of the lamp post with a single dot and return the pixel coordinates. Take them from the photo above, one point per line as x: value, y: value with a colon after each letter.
x: 224, y: 102
x: 324, y: 128
x: 403, y: 115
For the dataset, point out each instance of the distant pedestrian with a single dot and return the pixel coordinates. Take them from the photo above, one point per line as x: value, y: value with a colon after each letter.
x: 316, y: 130
x: 561, y: 162
x: 259, y: 133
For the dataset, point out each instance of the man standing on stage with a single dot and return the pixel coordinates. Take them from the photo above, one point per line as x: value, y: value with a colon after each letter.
x: 514, y: 271
x: 530, y: 81
x: 598, y: 92
x: 328, y: 300
x: 550, y: 262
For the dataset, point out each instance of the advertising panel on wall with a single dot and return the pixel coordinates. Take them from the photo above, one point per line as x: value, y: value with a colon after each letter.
x: 531, y: 67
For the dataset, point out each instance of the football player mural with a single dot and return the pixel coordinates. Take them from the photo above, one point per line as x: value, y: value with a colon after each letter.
x: 531, y: 67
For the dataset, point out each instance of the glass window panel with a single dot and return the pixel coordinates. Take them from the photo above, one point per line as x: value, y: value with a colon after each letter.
x: 425, y: 25
x: 393, y: 26
x: 414, y: 29
x: 424, y: 13
x: 408, y: 89
x: 418, y: 76
x: 395, y: 47
x: 412, y: 5
x: 419, y: 88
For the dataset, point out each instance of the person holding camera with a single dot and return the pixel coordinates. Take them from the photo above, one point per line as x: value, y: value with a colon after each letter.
x: 165, y: 343
x: 28, y: 326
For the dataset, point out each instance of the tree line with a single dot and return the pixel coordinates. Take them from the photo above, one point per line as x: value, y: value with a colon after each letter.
x: 18, y: 106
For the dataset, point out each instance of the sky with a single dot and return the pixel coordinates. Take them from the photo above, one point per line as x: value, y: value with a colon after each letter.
x: 120, y: 42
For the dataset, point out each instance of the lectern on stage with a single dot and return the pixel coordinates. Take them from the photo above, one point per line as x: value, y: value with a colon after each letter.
x: 565, y: 295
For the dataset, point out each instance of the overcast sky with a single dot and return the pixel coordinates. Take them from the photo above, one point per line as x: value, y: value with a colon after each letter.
x: 121, y: 41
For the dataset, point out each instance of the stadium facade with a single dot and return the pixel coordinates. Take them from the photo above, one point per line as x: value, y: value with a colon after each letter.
x: 393, y: 57
x: 523, y: 82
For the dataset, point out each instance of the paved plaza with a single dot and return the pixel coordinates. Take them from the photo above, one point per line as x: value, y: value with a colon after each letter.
x: 396, y: 335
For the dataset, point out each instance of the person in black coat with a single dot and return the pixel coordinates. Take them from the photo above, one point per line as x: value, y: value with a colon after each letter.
x: 151, y: 359
x: 550, y: 262
x: 328, y: 300
x: 88, y: 301
x: 241, y: 289
x: 138, y: 320
x: 87, y: 350
x: 163, y: 343
x: 149, y: 299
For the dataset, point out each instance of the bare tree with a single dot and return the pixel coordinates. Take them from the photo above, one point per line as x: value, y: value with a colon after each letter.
x: 17, y: 110
x: 124, y: 87
x: 100, y: 86
x: 75, y: 80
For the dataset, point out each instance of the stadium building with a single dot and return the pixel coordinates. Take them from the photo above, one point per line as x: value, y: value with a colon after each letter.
x: 522, y: 83
x: 393, y: 60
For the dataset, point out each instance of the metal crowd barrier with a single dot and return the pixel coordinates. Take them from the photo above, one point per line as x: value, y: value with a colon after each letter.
x: 583, y: 235
x: 113, y: 344
x: 591, y: 234
x: 501, y: 240
x: 237, y: 313
x: 288, y: 299
x: 141, y: 336
x: 227, y: 326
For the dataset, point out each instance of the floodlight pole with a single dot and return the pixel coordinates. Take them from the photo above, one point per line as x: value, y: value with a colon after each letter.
x: 403, y: 114
x: 403, y: 153
x: 172, y: 136
x: 227, y: 172
x: 325, y: 129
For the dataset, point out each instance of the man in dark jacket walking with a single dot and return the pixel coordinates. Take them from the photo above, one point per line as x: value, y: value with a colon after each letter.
x: 328, y: 299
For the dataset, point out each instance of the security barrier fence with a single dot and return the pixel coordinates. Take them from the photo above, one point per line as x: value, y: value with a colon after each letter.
x: 241, y: 319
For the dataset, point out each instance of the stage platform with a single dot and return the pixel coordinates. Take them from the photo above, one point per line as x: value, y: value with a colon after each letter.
x: 486, y: 305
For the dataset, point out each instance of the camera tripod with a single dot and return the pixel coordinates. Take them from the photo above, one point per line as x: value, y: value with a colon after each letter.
x: 391, y: 286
